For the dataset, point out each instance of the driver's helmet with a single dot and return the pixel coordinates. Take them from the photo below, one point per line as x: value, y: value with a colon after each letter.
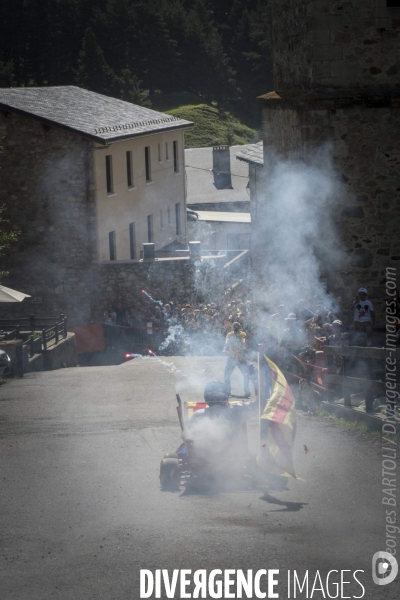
x: 216, y: 391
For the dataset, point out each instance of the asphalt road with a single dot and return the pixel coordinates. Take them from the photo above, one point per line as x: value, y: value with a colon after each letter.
x: 82, y: 511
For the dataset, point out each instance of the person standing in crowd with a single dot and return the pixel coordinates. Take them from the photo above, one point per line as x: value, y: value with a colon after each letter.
x: 120, y: 322
x: 235, y: 348
x: 109, y: 320
x: 133, y: 318
x: 302, y: 312
x: 120, y: 315
x: 293, y: 337
x: 275, y: 326
x: 336, y: 339
x: 364, y: 315
x: 292, y: 340
x: 158, y: 318
x: 167, y: 311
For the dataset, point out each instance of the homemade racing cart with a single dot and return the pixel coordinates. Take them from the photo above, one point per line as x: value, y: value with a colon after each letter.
x: 201, y: 462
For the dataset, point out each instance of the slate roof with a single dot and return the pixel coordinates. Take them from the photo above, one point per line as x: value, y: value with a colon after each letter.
x: 200, y: 178
x: 100, y: 118
x: 252, y: 154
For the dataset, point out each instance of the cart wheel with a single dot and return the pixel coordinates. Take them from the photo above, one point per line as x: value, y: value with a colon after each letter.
x: 169, y: 473
x: 171, y: 455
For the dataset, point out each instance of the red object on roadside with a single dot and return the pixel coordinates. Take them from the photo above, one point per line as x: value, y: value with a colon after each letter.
x: 89, y: 338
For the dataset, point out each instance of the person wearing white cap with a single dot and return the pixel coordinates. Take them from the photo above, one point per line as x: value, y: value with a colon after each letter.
x: 364, y: 315
x: 293, y: 337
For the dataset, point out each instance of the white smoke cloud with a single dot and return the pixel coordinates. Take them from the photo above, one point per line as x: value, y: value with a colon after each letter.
x: 296, y: 236
x: 295, y: 242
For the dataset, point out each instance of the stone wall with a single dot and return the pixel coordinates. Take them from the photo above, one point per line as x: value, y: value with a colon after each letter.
x: 291, y: 44
x: 335, y: 43
x: 283, y: 133
x: 365, y: 146
x: 336, y: 71
x: 47, y: 189
x: 164, y: 280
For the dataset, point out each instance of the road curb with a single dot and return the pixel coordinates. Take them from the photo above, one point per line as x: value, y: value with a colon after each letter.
x: 350, y: 414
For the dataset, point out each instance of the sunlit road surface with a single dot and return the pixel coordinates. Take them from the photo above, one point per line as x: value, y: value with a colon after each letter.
x: 82, y: 511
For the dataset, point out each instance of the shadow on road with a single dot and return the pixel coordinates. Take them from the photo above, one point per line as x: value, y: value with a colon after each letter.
x: 289, y: 506
x: 227, y: 487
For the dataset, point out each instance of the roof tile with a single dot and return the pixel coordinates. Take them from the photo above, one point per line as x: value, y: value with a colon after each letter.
x: 101, y: 118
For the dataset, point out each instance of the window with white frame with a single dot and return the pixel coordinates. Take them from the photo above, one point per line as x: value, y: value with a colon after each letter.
x: 129, y: 169
x: 147, y: 160
x: 150, y: 233
x: 113, y: 245
x: 132, y: 240
x: 109, y: 175
x: 178, y: 218
x: 176, y: 157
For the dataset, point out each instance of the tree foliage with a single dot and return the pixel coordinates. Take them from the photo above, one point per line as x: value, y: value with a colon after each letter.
x: 219, y: 51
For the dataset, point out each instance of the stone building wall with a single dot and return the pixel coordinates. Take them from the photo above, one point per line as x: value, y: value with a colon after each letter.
x: 336, y: 69
x: 283, y: 133
x: 291, y: 53
x: 365, y: 148
x: 335, y: 43
x: 47, y: 189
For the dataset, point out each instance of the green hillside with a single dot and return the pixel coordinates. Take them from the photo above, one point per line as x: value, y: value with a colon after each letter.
x: 213, y: 127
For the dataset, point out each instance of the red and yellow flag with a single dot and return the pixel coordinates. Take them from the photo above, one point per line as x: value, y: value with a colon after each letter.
x: 276, y: 452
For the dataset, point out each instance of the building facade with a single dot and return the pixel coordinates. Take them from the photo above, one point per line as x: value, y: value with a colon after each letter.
x: 140, y: 194
x: 253, y: 155
x: 218, y: 198
x: 220, y: 231
x: 85, y: 179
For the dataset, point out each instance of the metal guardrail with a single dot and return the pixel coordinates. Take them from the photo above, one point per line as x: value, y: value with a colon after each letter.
x: 42, y: 331
x: 13, y: 334
x: 41, y: 343
x: 31, y: 323
x: 371, y: 387
x: 142, y: 337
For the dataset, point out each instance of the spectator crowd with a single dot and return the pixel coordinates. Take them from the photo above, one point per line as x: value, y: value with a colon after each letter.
x: 201, y: 328
x: 293, y: 336
x: 178, y: 327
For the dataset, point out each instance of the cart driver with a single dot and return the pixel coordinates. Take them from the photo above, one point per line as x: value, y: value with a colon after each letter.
x: 220, y: 420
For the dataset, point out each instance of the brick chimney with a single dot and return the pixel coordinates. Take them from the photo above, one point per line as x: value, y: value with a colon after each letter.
x: 222, y: 167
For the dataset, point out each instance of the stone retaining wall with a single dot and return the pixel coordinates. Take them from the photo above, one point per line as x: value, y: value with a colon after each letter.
x: 164, y: 280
